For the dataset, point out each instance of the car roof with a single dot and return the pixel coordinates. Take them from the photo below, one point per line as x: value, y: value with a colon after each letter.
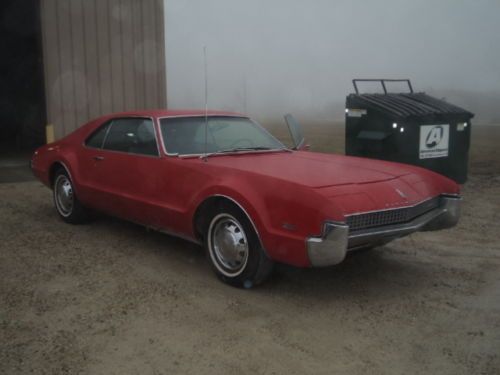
x: 175, y: 113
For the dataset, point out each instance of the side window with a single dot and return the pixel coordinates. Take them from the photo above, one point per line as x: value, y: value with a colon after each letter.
x: 96, y: 139
x: 132, y: 135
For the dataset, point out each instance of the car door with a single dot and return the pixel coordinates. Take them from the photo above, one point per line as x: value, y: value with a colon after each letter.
x: 122, y: 174
x: 90, y: 154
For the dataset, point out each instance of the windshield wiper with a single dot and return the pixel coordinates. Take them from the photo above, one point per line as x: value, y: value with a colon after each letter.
x: 238, y: 149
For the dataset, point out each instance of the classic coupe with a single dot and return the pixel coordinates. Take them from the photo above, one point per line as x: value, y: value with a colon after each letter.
x: 221, y: 180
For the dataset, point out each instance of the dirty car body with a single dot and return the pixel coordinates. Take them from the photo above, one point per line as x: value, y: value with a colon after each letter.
x: 219, y: 179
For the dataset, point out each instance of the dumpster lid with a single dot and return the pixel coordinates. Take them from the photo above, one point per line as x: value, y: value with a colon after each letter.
x: 409, y: 104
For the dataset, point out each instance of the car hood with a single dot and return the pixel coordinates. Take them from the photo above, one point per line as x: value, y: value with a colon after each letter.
x: 315, y: 170
x: 352, y: 184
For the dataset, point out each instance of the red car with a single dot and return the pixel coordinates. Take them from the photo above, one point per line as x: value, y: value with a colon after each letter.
x: 221, y: 180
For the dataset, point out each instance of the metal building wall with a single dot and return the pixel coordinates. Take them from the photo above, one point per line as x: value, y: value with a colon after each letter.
x: 101, y: 56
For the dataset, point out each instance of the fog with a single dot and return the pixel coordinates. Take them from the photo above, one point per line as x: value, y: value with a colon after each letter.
x: 266, y: 58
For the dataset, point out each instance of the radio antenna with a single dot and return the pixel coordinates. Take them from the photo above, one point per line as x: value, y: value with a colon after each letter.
x: 206, y: 100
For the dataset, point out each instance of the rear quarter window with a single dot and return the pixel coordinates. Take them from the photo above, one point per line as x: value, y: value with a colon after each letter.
x: 96, y: 139
x: 133, y: 136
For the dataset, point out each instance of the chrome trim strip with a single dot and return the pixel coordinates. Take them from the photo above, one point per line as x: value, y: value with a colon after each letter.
x: 108, y: 124
x: 202, y: 115
x: 127, y: 153
x: 175, y: 234
x: 392, y: 208
x: 160, y: 137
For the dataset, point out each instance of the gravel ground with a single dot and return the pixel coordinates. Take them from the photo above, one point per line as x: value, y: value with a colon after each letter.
x: 113, y: 298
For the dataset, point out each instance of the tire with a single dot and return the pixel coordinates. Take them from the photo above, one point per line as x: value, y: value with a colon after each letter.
x: 234, y: 249
x: 66, y: 202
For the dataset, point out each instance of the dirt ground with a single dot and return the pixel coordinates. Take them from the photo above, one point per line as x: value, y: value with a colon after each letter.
x: 113, y: 298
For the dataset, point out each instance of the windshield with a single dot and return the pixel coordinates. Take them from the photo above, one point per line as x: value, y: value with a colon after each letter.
x: 186, y: 135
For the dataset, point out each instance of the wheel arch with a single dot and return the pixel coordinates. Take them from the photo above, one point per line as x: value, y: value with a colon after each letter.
x: 201, y: 217
x: 54, y: 167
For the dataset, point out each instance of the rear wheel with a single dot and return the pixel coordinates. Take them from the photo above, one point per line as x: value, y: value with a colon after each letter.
x: 234, y: 249
x: 66, y: 202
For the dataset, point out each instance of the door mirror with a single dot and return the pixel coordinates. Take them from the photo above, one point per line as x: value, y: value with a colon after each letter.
x: 299, y: 142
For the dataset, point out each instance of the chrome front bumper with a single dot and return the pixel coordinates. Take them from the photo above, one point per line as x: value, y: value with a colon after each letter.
x: 335, y: 241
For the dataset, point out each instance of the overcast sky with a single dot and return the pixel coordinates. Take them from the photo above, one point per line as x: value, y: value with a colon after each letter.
x: 270, y: 57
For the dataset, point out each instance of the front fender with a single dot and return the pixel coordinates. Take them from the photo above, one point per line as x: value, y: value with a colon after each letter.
x: 284, y: 214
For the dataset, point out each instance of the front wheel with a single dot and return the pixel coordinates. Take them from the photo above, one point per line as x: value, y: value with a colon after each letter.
x: 234, y: 249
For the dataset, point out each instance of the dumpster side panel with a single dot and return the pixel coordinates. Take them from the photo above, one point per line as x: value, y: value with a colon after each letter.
x: 409, y: 128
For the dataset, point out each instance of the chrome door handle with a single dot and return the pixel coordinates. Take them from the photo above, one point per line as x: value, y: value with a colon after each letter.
x: 98, y: 158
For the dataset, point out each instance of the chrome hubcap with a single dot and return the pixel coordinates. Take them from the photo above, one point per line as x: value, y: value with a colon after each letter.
x: 229, y: 244
x: 64, y: 195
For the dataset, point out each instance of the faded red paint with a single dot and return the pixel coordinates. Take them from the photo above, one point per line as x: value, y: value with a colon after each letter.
x: 288, y: 195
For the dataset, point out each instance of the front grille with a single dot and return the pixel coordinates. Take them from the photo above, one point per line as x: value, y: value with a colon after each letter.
x: 389, y: 217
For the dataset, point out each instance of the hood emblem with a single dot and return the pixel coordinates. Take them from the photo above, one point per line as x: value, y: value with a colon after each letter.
x: 401, y: 194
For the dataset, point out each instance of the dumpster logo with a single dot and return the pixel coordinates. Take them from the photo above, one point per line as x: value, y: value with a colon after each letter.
x: 434, y: 137
x: 434, y: 141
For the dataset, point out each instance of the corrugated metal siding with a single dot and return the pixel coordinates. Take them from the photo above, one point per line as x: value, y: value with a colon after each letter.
x: 101, y: 56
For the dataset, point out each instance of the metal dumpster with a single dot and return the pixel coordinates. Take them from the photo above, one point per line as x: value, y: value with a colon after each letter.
x: 408, y: 127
